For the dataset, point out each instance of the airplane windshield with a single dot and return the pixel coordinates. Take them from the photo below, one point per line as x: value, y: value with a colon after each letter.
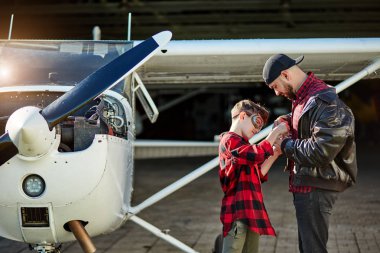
x: 54, y: 62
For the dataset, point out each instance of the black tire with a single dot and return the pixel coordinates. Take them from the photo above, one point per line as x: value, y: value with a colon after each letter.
x: 218, y: 245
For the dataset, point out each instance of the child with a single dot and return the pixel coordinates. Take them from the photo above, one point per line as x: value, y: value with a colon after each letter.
x: 242, y: 168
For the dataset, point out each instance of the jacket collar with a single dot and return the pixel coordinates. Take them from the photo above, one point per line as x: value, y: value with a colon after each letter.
x: 328, y: 95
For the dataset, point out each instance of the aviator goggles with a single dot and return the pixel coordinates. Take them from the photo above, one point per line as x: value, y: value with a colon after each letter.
x: 256, y: 120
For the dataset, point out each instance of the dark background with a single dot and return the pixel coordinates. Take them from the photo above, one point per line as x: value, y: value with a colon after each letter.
x: 74, y: 19
x: 206, y: 114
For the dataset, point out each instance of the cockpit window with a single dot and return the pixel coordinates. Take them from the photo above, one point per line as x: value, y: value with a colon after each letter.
x: 54, y: 62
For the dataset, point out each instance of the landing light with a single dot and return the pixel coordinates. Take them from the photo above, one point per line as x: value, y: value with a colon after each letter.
x: 4, y: 72
x: 33, y: 186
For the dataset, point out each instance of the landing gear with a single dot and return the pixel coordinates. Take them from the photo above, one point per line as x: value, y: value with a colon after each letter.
x: 46, y: 248
x: 80, y: 233
x: 218, y: 245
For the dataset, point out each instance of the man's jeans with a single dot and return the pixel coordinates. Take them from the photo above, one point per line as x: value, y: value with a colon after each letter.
x: 313, y: 211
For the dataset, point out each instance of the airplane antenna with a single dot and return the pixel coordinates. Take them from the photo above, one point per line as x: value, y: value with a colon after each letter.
x: 96, y: 33
x: 10, y: 28
x: 129, y: 25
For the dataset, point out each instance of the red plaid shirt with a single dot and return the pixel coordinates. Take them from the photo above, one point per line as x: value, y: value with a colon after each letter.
x: 241, y: 178
x: 311, y: 86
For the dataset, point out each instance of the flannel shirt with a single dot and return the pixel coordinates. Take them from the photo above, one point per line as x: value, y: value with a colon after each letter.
x: 311, y: 86
x: 240, y: 179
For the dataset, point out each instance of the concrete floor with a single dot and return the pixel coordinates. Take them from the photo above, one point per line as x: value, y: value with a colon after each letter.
x: 192, y: 214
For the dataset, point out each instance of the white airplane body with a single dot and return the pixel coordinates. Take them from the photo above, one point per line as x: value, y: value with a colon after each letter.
x: 93, y: 184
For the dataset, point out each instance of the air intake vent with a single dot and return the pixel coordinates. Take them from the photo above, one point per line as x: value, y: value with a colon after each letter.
x: 35, y: 216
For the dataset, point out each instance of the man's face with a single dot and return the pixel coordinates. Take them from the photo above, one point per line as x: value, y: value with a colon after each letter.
x: 282, y: 88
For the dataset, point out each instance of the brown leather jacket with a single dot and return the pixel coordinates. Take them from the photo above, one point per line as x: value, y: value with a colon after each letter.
x: 325, y: 151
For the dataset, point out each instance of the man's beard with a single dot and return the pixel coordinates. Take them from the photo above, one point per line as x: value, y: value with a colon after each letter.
x: 289, y: 93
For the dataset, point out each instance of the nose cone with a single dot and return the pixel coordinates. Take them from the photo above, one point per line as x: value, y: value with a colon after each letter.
x: 29, y: 132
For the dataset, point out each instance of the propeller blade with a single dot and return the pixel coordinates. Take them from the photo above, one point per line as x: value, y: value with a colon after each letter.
x: 7, y: 148
x: 103, y: 79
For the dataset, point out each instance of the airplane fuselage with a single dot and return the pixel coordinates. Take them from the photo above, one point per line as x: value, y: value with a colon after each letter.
x: 91, y: 182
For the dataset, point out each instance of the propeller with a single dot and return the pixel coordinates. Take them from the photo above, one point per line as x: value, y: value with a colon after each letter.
x: 7, y: 148
x: 30, y: 131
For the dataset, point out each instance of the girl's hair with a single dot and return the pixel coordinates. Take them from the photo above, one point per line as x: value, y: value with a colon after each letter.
x: 251, y: 107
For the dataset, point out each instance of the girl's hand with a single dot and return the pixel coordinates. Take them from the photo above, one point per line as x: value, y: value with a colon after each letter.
x: 281, y: 129
x: 277, y: 150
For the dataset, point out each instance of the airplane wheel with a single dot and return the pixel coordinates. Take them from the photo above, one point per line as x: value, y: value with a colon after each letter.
x: 218, y: 246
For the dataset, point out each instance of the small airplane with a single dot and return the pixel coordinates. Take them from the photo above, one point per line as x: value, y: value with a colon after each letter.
x: 65, y: 171
x: 67, y: 111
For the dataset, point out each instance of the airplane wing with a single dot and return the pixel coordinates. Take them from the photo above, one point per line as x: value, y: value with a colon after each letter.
x: 241, y: 61
x: 193, y: 63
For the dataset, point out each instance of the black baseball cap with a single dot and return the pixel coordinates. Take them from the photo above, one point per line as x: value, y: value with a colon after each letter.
x: 277, y: 63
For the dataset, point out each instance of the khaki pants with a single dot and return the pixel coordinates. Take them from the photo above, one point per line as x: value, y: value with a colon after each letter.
x: 240, y: 239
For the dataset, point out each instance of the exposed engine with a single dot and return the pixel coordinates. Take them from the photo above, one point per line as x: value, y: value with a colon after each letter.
x: 106, y: 117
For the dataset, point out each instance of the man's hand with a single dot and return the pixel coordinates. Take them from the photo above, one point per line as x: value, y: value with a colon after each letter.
x: 282, y: 119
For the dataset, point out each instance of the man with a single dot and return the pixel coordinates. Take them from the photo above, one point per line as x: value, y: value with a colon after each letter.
x: 320, y: 149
